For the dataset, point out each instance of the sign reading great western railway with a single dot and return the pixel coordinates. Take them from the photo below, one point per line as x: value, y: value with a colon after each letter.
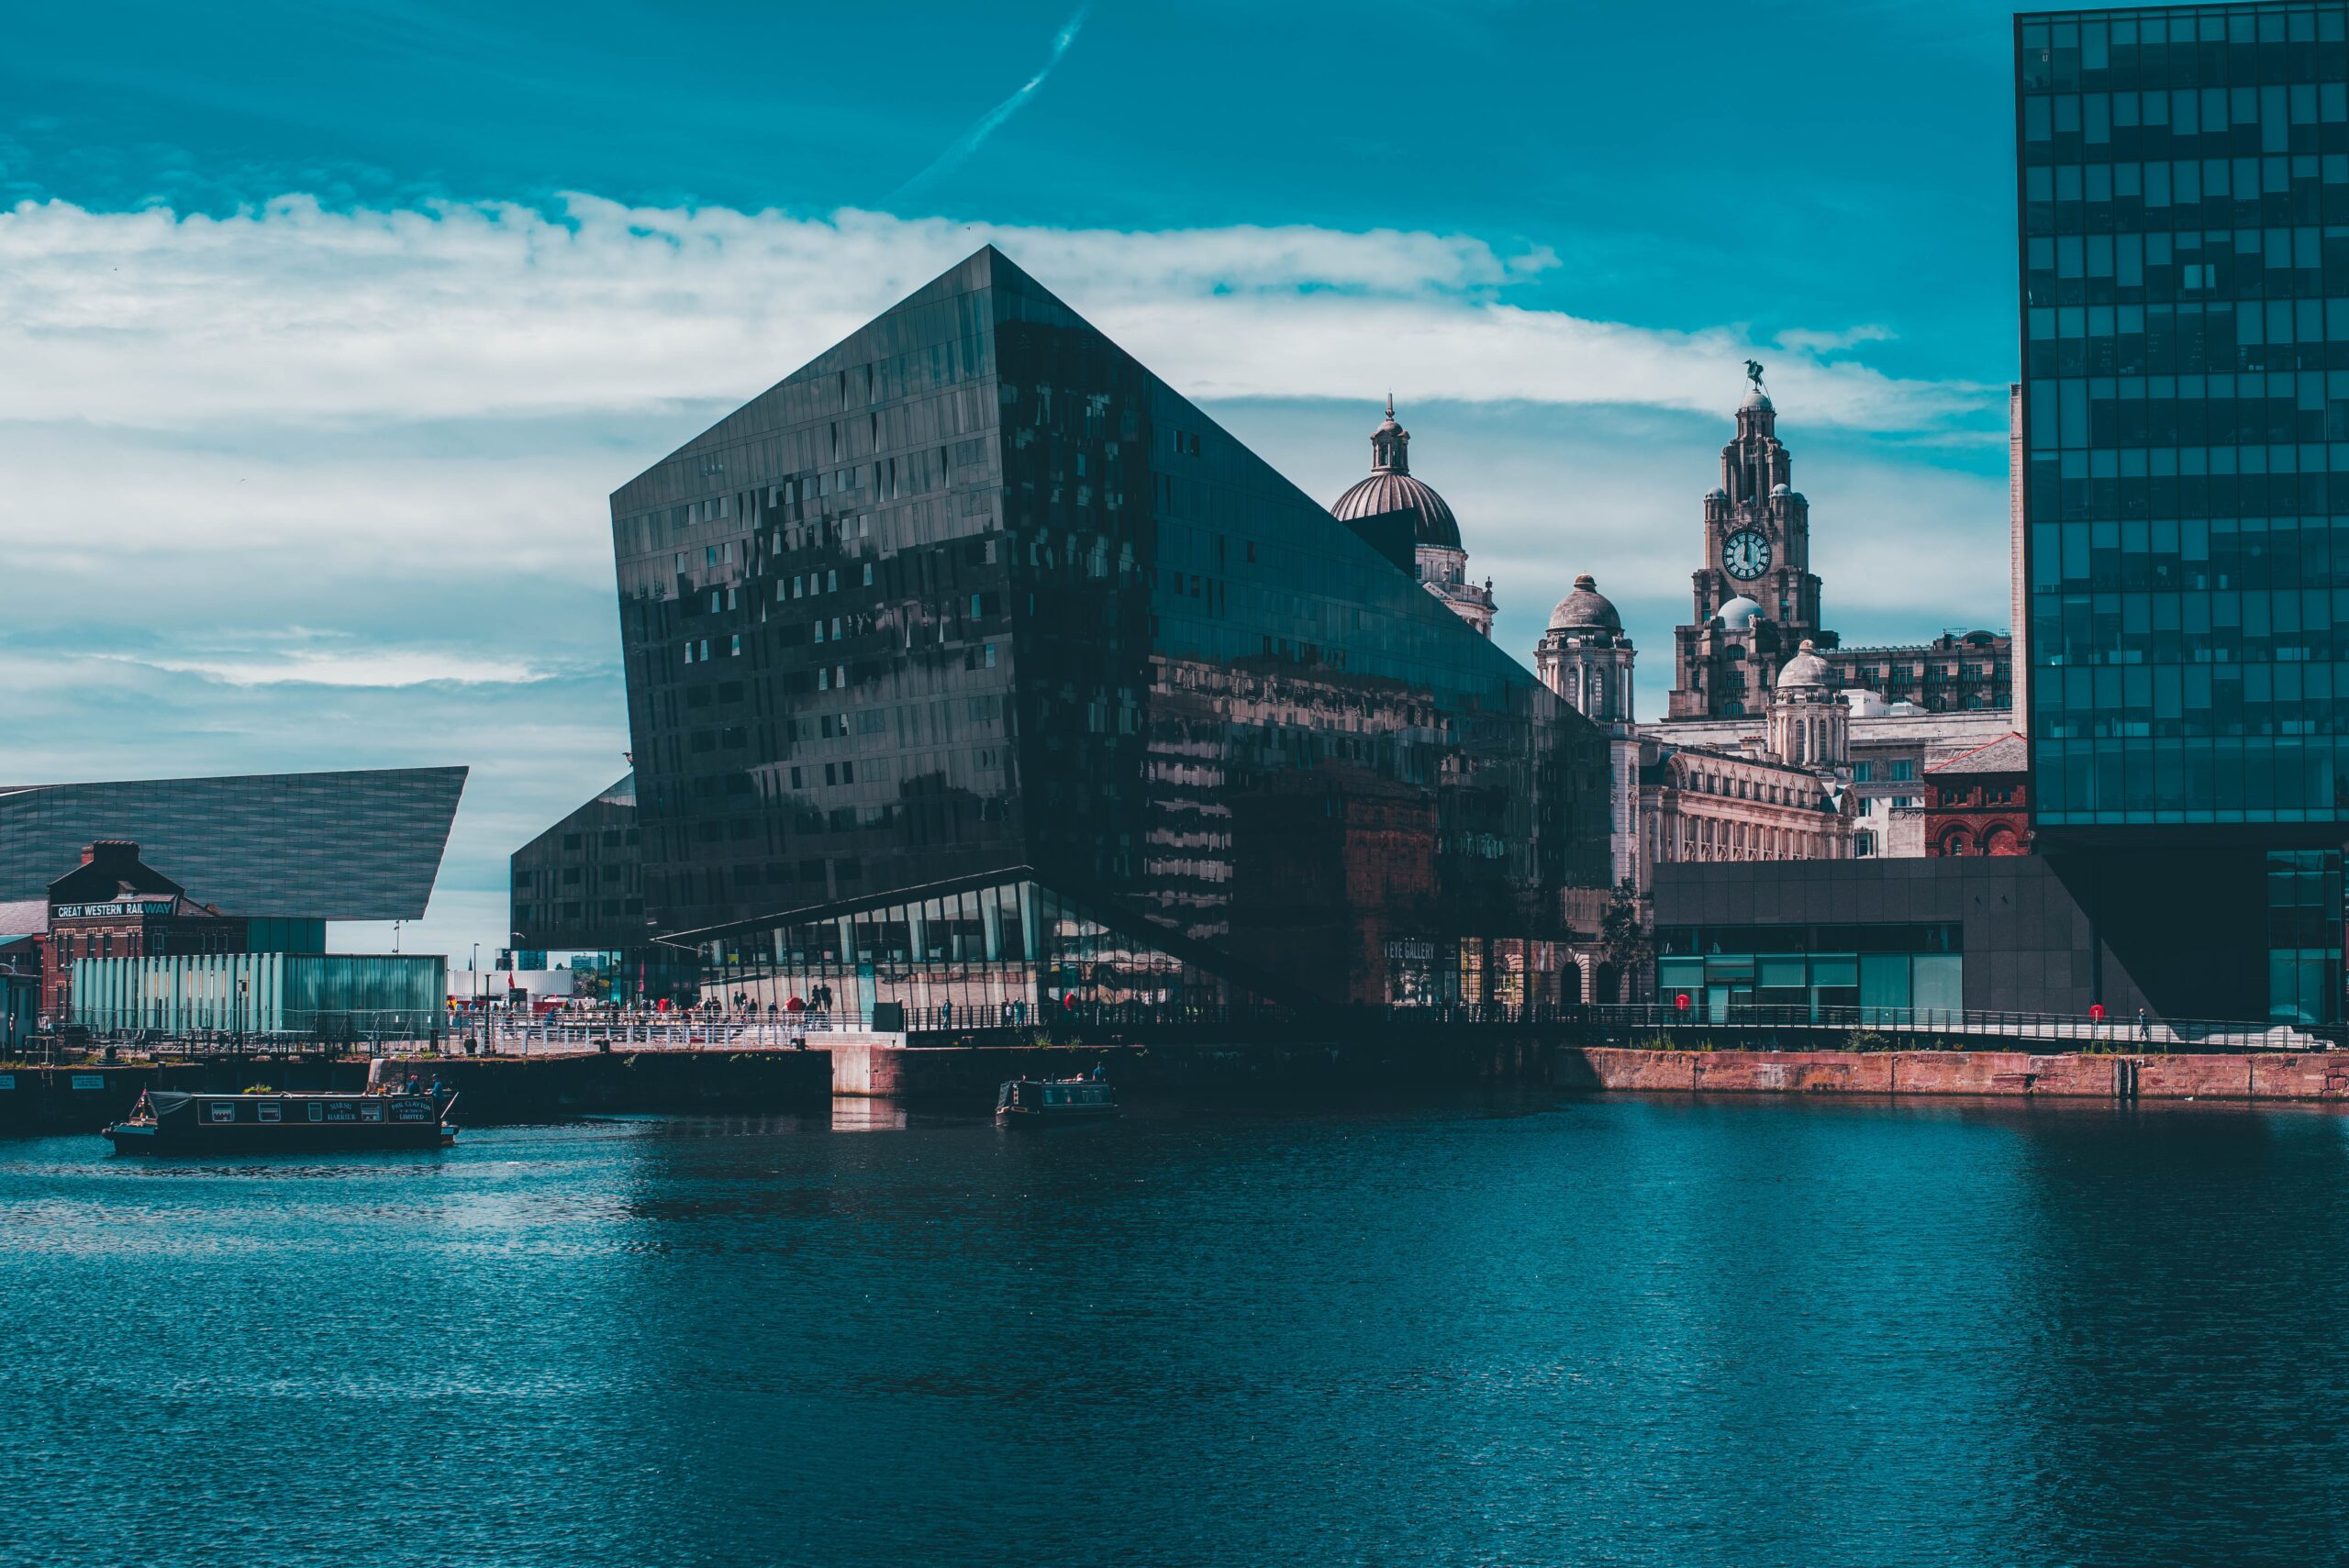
x: 103, y: 911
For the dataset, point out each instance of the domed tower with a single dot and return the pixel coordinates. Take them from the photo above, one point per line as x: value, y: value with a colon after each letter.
x: 1757, y: 552
x: 1441, y: 562
x: 1586, y: 658
x: 1809, y: 725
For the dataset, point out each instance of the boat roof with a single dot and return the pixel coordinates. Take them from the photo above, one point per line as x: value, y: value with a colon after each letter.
x: 162, y: 1099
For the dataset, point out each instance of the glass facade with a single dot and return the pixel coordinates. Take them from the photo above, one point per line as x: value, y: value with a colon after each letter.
x: 2304, y: 935
x: 1896, y: 973
x: 2185, y: 223
x: 575, y: 888
x: 977, y: 955
x: 973, y: 590
x: 2184, y: 207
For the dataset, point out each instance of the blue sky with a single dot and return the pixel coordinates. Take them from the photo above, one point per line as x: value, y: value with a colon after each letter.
x: 331, y: 326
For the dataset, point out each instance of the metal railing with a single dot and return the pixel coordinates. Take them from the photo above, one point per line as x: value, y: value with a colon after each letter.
x: 503, y: 1032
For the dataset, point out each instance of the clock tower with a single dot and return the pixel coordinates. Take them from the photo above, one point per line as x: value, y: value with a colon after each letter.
x: 1756, y: 601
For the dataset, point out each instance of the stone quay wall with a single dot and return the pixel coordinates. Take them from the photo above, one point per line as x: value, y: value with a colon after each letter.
x: 2316, y: 1076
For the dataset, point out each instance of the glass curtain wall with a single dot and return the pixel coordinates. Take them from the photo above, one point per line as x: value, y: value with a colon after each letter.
x: 2184, y: 221
x: 1008, y: 954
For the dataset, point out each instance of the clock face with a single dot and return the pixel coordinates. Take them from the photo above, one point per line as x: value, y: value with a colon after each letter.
x: 1747, y: 554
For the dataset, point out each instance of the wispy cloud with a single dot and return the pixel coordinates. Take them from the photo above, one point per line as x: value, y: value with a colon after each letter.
x: 458, y: 310
x: 986, y: 125
x: 382, y: 668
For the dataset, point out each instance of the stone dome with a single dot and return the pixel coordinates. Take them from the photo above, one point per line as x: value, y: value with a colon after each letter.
x: 1758, y: 398
x: 1391, y: 488
x: 1782, y: 488
x: 1739, y: 612
x: 1401, y: 493
x: 1586, y: 607
x: 1805, y: 669
x: 1716, y: 493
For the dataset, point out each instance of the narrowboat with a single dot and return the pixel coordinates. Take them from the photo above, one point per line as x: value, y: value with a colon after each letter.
x: 167, y: 1122
x: 1043, y: 1100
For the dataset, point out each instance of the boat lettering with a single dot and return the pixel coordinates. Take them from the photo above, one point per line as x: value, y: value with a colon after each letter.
x: 409, y: 1110
x: 341, y: 1110
x: 8, y: 1079
x: 89, y: 1079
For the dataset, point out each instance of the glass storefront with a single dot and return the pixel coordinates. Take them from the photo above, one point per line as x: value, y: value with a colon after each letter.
x: 983, y: 955
x: 1893, y: 973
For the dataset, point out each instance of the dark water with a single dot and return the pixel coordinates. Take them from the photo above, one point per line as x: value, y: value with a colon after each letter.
x: 1572, y: 1331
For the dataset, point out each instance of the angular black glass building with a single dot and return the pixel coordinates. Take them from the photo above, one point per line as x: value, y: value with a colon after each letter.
x: 577, y: 886
x: 2184, y: 207
x: 974, y: 599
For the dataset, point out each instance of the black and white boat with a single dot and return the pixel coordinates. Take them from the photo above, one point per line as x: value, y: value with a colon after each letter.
x: 1045, y: 1100
x: 168, y: 1121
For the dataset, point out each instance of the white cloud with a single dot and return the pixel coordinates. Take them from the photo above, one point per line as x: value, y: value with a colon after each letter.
x: 391, y: 668
x: 292, y: 312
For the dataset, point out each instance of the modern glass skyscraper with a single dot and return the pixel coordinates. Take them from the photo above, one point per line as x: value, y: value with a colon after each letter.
x: 2184, y: 205
x: 973, y: 602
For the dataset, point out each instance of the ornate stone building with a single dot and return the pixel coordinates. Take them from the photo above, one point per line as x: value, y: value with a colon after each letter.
x: 1438, y: 555
x: 1779, y: 793
x: 1900, y: 710
x: 1756, y: 600
x: 1756, y: 603
x: 1586, y: 658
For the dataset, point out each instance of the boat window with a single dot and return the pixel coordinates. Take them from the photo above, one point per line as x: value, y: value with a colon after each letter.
x: 224, y: 1111
x: 371, y: 1110
x: 317, y: 1111
x: 272, y: 1112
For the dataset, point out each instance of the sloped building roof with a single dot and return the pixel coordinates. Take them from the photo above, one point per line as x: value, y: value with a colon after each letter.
x: 2009, y: 753
x: 334, y: 845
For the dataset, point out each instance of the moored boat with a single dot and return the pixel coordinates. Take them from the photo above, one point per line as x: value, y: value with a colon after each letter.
x: 1054, y: 1099
x: 168, y: 1121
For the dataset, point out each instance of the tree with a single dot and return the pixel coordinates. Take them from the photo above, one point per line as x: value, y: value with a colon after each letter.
x: 1622, y: 936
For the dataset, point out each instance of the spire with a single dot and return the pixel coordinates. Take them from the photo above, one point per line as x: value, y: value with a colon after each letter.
x: 1390, y: 444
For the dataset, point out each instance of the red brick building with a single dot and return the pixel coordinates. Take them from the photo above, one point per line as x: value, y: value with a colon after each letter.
x: 1979, y: 803
x: 115, y: 906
